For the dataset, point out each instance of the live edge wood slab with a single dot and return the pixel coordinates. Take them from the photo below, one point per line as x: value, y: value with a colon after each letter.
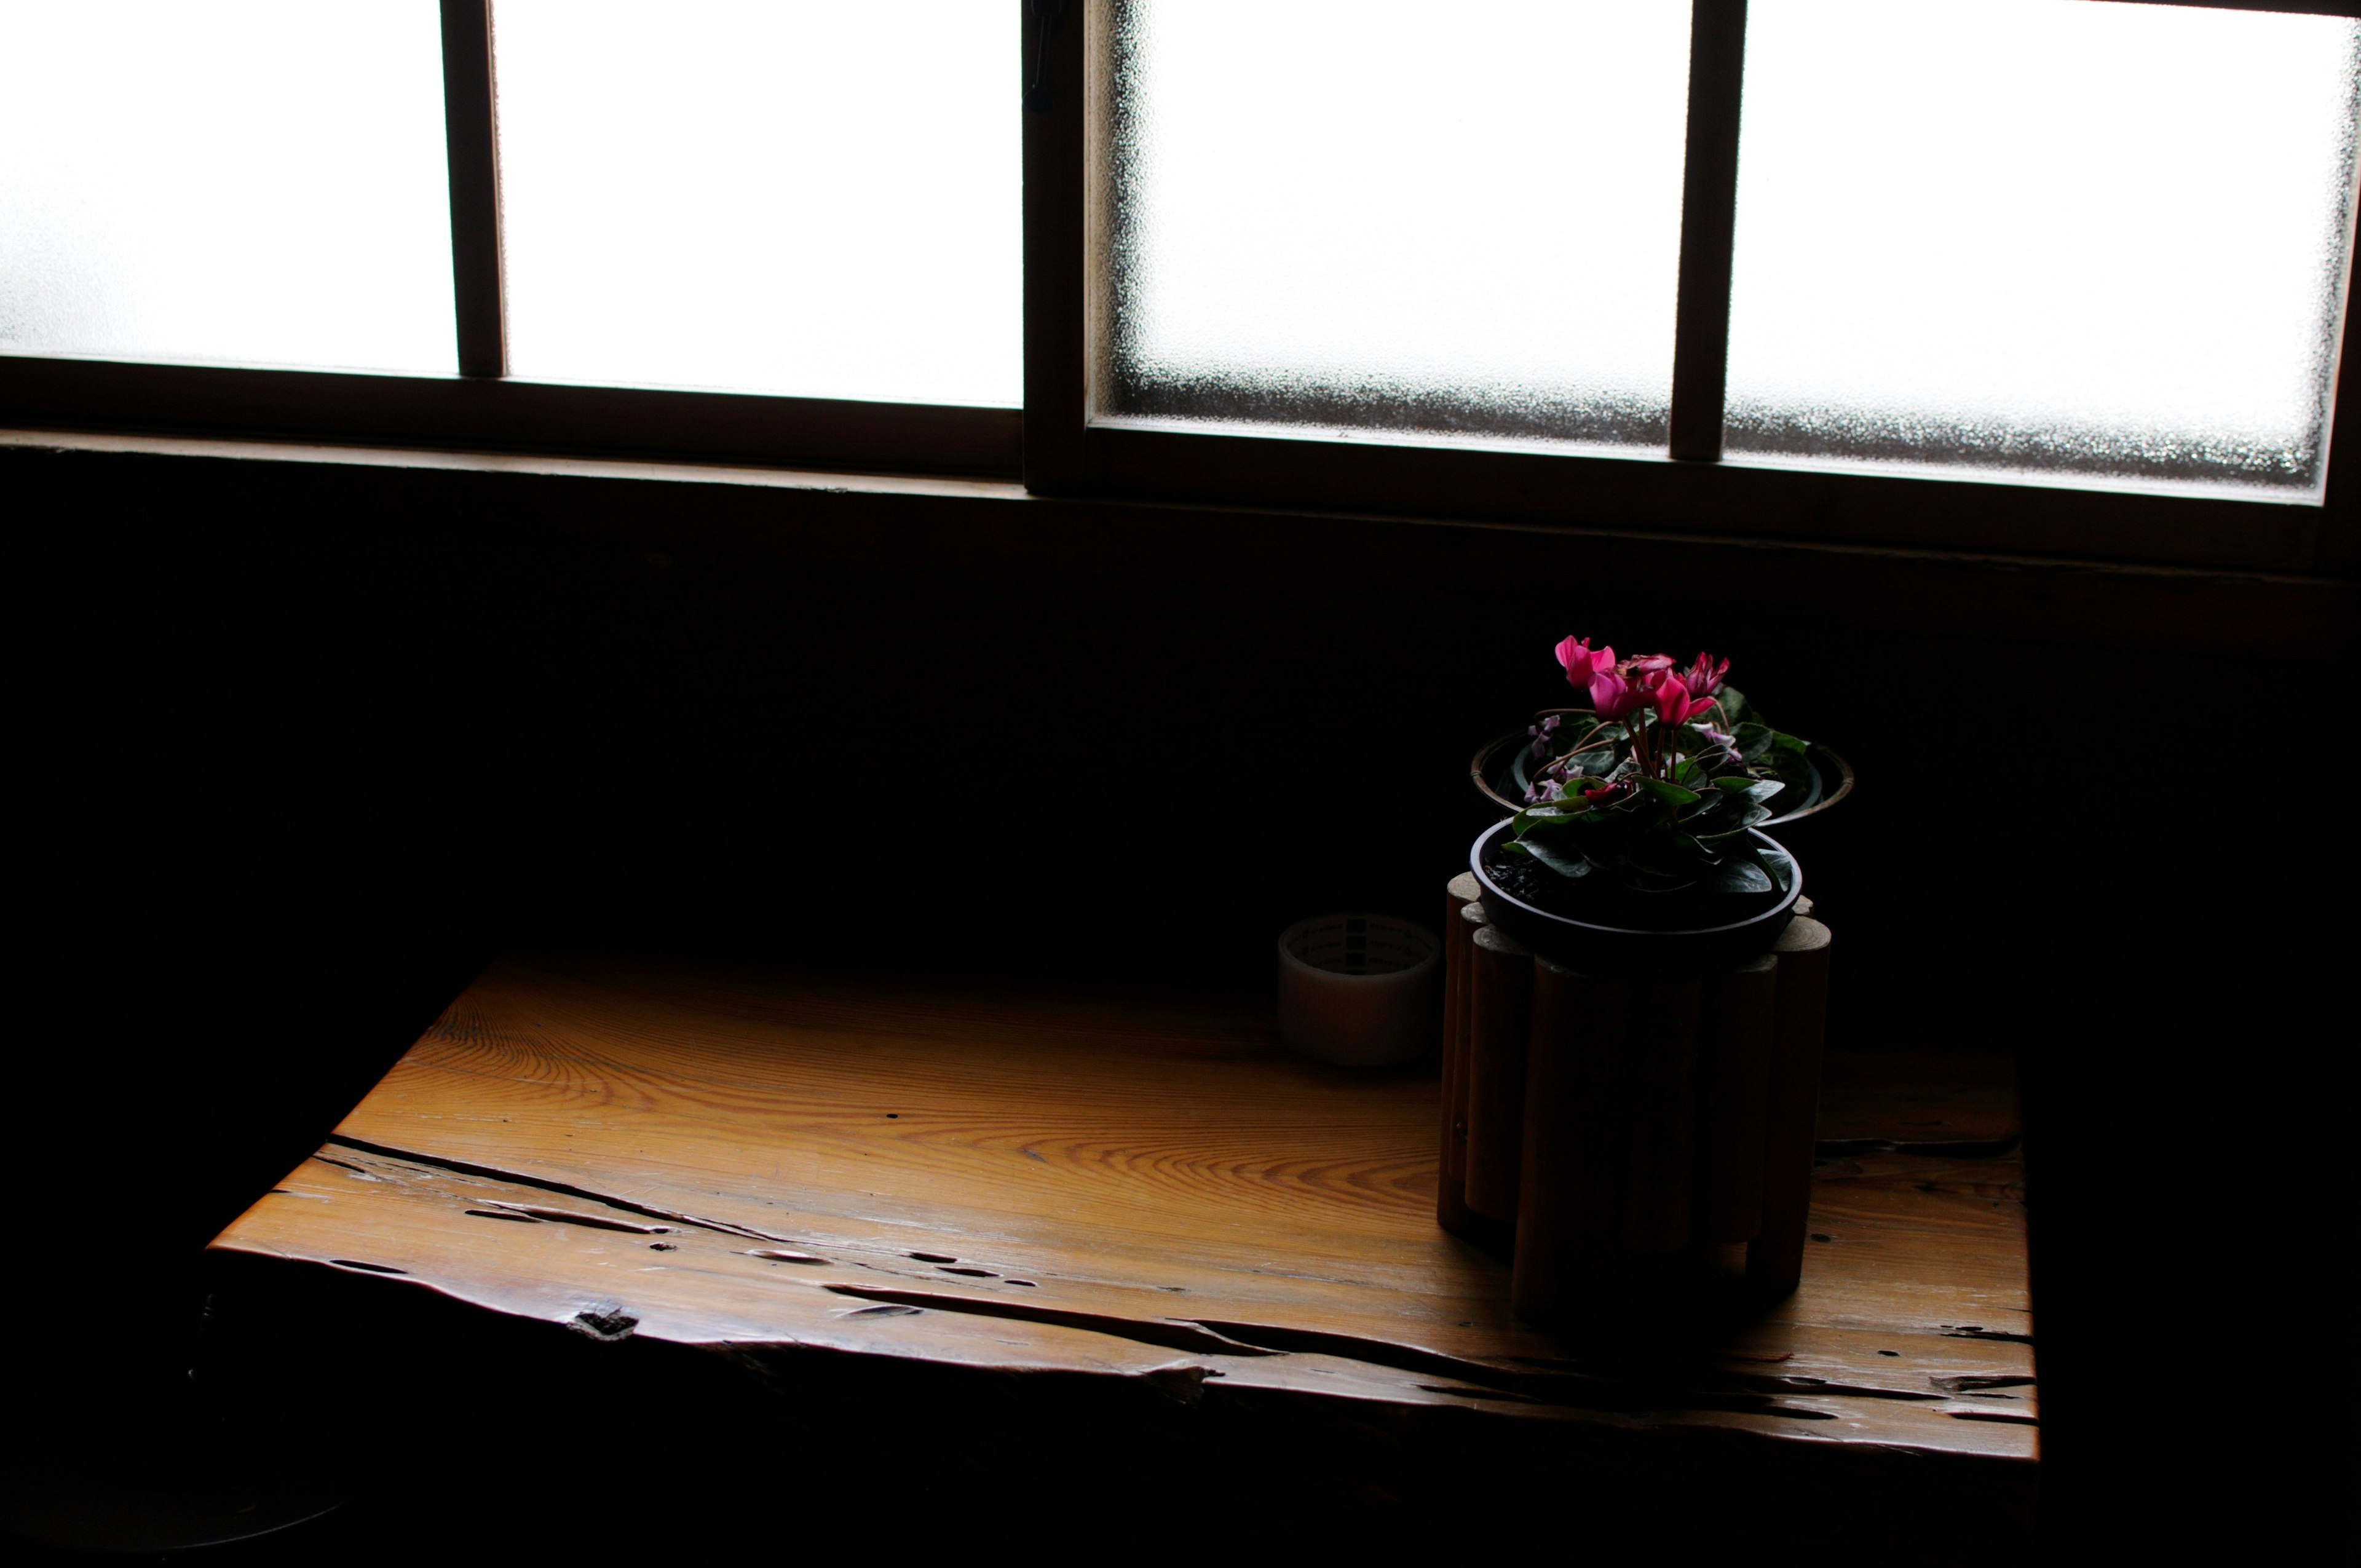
x: 1147, y: 1190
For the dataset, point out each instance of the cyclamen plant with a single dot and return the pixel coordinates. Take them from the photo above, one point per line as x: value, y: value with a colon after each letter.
x: 1655, y: 787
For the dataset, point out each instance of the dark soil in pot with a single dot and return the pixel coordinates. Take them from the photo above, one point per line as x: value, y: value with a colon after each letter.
x: 1593, y: 923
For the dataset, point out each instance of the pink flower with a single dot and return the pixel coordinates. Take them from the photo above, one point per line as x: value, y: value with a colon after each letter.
x: 1704, y: 677
x: 1613, y: 694
x: 1619, y: 689
x: 1674, y: 705
x: 1580, y: 664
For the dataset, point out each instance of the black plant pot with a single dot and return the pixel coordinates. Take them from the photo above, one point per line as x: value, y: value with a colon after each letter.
x: 1609, y: 928
x: 1831, y: 774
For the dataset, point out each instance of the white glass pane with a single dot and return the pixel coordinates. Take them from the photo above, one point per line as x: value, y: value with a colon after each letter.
x: 791, y: 196
x: 2098, y: 243
x: 1394, y: 218
x: 242, y: 182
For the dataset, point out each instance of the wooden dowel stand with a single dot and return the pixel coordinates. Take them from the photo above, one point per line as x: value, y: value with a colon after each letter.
x: 1570, y: 1201
x: 1624, y: 1128
x: 1733, y: 1101
x: 1775, y: 1258
x: 1662, y: 1045
x: 1500, y: 1011
x: 1461, y: 916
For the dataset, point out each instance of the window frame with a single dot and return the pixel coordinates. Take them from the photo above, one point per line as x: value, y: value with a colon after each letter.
x: 1054, y: 446
x: 1069, y: 291
x: 482, y: 406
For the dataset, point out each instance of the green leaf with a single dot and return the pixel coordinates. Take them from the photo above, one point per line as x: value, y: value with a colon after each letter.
x: 1670, y: 793
x: 1725, y: 833
x: 1794, y: 743
x: 1753, y: 740
x: 1520, y: 777
x: 1736, y: 875
x: 1566, y: 863
x: 1733, y: 703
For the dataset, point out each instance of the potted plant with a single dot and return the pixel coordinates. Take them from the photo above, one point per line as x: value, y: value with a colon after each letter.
x: 1640, y: 838
x: 1507, y: 767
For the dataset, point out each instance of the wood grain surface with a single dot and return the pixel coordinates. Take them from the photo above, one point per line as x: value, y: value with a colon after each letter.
x: 1142, y: 1188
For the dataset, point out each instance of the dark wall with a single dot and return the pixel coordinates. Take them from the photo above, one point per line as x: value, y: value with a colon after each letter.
x: 305, y: 744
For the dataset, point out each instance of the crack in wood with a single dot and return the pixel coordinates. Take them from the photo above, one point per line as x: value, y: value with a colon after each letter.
x: 569, y: 1217
x: 606, y: 1324
x: 1168, y: 1335
x: 1563, y: 1384
x: 1970, y: 1382
x: 493, y: 1173
x: 1969, y: 1330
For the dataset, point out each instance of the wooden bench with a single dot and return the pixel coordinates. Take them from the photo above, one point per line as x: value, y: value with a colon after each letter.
x: 1145, y: 1191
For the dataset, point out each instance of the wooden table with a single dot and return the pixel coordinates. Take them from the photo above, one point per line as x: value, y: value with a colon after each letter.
x: 1147, y: 1192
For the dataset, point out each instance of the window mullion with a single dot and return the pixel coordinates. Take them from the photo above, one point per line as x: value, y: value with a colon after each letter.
x: 2339, y: 551
x: 472, y: 144
x: 1708, y: 225
x: 1058, y: 274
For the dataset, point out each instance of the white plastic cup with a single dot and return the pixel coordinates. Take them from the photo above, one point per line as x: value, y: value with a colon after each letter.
x: 1359, y: 990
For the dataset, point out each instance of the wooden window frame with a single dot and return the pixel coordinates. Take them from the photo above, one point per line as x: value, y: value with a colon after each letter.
x: 481, y: 407
x: 1070, y: 292
x: 1058, y: 450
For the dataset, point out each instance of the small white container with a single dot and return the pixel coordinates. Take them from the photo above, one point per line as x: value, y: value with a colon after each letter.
x: 1359, y: 990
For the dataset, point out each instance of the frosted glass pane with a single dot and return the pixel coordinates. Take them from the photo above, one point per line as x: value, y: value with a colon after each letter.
x: 1383, y: 218
x: 242, y: 182
x: 2098, y: 244
x: 810, y: 198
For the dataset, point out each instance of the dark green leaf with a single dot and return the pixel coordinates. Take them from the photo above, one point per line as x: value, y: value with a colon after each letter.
x: 1723, y: 830
x: 1564, y: 859
x: 1671, y: 794
x: 1739, y: 875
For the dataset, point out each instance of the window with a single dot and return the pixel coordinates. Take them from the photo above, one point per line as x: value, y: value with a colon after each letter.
x: 254, y: 183
x: 818, y: 200
x: 1366, y: 223
x: 2065, y: 276
x: 2103, y: 242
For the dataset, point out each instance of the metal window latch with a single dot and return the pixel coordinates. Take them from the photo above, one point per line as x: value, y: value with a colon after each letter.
x: 1042, y: 19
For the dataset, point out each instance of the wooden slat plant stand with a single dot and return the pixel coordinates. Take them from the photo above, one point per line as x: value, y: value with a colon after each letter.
x: 1084, y: 1191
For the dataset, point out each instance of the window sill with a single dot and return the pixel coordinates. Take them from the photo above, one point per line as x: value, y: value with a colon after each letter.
x: 996, y: 524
